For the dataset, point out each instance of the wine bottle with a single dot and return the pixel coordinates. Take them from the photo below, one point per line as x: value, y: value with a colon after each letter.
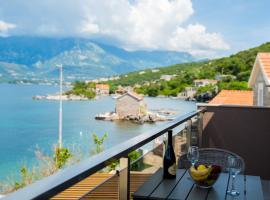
x: 169, y: 161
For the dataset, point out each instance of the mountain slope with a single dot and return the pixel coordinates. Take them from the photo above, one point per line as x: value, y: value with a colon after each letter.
x: 234, y: 69
x: 81, y: 58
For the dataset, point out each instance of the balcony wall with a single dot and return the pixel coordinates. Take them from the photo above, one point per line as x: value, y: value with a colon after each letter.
x: 243, y: 130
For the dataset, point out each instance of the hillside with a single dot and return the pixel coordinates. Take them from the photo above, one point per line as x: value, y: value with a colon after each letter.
x: 35, y: 58
x: 234, y: 70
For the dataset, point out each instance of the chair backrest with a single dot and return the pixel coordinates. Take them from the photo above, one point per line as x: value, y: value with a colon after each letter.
x: 211, y: 156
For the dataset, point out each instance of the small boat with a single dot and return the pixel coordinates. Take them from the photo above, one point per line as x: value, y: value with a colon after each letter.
x: 115, y: 96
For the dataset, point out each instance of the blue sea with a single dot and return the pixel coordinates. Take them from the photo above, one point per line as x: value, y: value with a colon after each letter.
x: 26, y: 124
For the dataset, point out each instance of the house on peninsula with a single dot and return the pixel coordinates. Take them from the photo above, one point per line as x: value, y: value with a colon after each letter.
x: 130, y: 104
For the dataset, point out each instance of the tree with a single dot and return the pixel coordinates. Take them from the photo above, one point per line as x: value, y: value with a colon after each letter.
x: 152, y: 91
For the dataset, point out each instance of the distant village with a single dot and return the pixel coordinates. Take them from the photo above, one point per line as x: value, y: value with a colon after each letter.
x: 131, y: 106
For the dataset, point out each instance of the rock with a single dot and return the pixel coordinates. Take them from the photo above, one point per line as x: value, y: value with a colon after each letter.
x: 140, y: 119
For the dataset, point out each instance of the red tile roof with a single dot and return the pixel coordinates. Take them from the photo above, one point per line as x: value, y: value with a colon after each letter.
x: 265, y: 62
x: 102, y: 86
x: 233, y: 97
x: 132, y: 94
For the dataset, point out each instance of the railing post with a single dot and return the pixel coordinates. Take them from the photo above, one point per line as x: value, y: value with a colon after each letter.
x: 124, y: 179
x: 188, y: 132
x: 200, y: 128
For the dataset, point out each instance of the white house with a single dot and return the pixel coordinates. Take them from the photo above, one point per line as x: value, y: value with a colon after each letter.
x: 204, y: 82
x: 167, y: 77
x: 259, y: 80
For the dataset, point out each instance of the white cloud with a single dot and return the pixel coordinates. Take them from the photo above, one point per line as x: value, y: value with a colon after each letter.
x: 140, y: 24
x: 4, y: 27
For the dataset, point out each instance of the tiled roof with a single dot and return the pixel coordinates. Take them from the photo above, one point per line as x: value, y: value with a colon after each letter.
x: 233, y: 97
x: 102, y: 86
x: 262, y: 64
x: 132, y: 94
x: 205, y: 80
x: 265, y: 62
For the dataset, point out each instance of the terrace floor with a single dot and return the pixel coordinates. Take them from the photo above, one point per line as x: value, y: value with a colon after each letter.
x: 108, y: 189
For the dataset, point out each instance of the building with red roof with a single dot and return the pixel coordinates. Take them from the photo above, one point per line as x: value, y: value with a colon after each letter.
x: 102, y: 89
x: 233, y: 97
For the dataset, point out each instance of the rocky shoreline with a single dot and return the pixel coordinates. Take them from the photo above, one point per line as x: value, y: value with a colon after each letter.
x: 140, y: 119
x: 57, y: 97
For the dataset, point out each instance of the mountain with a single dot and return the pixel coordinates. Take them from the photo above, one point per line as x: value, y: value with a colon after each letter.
x: 32, y: 58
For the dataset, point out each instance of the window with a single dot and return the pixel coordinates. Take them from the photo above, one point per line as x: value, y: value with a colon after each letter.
x: 260, y: 94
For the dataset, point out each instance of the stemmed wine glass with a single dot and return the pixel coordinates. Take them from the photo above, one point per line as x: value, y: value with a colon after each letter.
x: 193, y: 155
x: 235, y: 167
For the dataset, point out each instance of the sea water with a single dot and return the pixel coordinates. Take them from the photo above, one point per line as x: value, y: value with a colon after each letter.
x: 27, y: 124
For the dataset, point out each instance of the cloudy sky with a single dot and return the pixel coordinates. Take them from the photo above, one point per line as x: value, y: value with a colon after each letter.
x: 204, y: 28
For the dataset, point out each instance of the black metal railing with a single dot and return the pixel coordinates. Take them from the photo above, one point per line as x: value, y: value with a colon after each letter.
x: 54, y: 184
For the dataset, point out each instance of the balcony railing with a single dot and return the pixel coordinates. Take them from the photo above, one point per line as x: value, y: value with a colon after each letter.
x: 55, y: 184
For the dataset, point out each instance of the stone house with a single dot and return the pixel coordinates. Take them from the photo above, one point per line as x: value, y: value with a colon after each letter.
x: 130, y: 104
x: 189, y: 92
x: 102, y: 89
x: 259, y: 80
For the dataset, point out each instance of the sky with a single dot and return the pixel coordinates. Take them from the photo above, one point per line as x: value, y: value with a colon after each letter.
x: 203, y: 28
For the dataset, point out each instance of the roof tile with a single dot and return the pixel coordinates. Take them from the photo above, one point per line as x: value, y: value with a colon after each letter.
x: 234, y: 97
x: 265, y: 62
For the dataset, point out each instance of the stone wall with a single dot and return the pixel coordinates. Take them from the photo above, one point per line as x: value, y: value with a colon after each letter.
x: 127, y: 105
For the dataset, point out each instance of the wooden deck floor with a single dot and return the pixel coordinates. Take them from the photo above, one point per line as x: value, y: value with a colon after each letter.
x: 107, y: 190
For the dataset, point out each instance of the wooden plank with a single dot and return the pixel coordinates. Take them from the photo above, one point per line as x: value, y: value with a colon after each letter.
x: 239, y: 186
x: 219, y: 189
x: 254, y: 188
x: 197, y: 193
x: 167, y: 185
x: 149, y: 186
x: 182, y: 189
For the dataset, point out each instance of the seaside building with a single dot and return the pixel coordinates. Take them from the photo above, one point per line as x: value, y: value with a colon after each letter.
x: 189, y: 92
x: 130, y: 104
x: 259, y: 80
x: 102, y: 89
x: 204, y: 82
x: 120, y: 90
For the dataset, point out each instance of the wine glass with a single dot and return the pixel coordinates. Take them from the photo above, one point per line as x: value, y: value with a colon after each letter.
x: 193, y: 155
x: 235, y: 167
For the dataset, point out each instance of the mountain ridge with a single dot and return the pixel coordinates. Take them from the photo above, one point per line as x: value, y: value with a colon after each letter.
x: 82, y: 58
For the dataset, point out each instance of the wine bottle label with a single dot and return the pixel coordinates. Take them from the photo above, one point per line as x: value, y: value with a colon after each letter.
x: 172, y: 169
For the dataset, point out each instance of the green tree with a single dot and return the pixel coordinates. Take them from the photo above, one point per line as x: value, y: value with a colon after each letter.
x: 153, y: 91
